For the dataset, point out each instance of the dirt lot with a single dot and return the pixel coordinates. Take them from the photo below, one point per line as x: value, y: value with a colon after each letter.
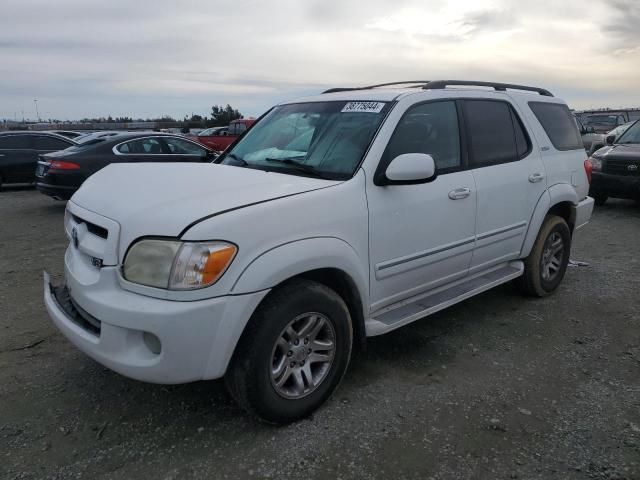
x: 497, y: 387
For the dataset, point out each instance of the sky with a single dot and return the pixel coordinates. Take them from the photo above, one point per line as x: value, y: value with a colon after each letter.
x: 138, y: 58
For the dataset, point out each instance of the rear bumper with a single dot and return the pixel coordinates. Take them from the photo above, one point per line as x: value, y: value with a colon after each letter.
x: 583, y: 212
x: 56, y: 191
x: 620, y: 186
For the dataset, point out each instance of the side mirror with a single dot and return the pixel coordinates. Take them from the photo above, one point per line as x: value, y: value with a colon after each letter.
x: 410, y: 168
x: 610, y: 139
x: 590, y: 129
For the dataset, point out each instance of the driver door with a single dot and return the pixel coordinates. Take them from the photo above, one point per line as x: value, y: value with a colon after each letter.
x: 422, y: 236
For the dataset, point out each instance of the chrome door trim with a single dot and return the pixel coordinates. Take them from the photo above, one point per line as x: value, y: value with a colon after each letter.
x: 416, y: 256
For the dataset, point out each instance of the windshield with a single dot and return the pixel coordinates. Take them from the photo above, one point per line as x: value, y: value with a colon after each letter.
x: 601, y: 120
x: 323, y: 139
x: 631, y: 134
x: 208, y: 131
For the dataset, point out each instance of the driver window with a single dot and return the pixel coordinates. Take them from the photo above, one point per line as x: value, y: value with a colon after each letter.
x: 430, y: 128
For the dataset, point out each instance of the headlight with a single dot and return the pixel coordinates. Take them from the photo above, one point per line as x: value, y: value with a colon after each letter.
x: 177, y: 265
x: 596, y: 163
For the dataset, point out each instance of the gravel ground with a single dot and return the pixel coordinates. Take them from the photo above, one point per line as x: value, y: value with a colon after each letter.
x: 499, y: 386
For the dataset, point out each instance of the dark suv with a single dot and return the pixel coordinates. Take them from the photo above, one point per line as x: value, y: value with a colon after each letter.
x: 19, y: 153
x: 616, y: 167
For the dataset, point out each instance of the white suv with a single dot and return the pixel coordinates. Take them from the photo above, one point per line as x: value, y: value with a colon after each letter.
x: 336, y: 217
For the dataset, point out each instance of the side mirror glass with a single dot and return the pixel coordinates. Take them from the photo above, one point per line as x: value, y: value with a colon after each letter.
x: 411, y: 168
x: 610, y: 139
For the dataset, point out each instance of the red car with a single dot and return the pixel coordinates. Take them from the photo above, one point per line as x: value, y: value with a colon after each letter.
x: 221, y: 140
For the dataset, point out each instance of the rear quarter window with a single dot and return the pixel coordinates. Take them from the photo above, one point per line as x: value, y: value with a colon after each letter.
x: 559, y: 125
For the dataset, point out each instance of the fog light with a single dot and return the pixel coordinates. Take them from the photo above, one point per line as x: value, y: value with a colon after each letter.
x: 152, y: 342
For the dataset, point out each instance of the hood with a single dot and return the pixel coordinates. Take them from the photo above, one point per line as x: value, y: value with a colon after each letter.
x: 164, y: 199
x: 630, y: 152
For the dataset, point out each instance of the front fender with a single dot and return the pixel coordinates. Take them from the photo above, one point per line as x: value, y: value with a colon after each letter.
x: 290, y: 259
x: 558, y: 193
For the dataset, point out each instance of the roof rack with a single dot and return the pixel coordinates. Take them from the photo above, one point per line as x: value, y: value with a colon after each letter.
x: 441, y: 84
x: 348, y: 89
x: 500, y: 87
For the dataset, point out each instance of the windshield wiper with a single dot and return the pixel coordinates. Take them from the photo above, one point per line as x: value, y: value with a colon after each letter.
x: 301, y: 167
x: 241, y: 161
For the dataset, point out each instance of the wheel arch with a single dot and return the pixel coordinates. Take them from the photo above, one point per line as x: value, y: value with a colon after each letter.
x: 326, y: 260
x: 560, y: 200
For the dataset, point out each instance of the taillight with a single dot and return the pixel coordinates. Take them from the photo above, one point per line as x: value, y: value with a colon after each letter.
x: 588, y: 169
x: 63, y: 165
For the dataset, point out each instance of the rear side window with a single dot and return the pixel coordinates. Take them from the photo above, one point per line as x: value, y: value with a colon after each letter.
x: 50, y: 143
x: 14, y: 141
x: 496, y: 134
x: 178, y: 146
x: 143, y: 146
x: 558, y: 123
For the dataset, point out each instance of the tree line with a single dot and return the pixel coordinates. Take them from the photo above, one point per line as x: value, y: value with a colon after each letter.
x: 220, y: 117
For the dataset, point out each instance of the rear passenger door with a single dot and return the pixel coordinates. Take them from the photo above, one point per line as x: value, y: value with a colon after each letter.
x: 509, y: 177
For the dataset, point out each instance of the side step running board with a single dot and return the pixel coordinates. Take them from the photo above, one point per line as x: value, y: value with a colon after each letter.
x: 410, y: 310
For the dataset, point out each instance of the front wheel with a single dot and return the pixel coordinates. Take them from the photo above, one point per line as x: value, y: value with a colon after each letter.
x: 293, y: 353
x: 546, y: 265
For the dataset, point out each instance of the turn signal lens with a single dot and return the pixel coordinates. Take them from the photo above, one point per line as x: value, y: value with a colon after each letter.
x: 199, y: 265
x: 62, y: 165
x: 217, y: 263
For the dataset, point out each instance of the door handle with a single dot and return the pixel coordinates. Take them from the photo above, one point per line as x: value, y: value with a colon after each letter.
x: 459, y: 193
x: 536, y: 177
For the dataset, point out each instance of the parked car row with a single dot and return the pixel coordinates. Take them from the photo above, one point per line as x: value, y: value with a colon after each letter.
x: 59, y: 165
x: 593, y: 141
x: 219, y: 138
x: 616, y: 167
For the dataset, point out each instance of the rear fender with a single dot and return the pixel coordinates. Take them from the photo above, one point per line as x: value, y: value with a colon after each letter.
x: 561, y: 192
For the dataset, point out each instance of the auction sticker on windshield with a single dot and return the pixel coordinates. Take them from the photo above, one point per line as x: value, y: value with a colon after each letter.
x: 363, y: 107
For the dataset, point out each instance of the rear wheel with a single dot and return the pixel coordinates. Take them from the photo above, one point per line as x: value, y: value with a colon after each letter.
x: 599, y: 198
x: 546, y: 265
x: 293, y: 353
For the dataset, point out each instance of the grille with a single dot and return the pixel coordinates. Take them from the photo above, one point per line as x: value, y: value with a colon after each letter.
x: 76, y: 314
x: 92, y: 227
x: 621, y: 167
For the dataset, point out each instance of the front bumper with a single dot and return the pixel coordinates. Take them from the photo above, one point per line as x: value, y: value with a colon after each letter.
x: 197, y: 338
x: 619, y: 186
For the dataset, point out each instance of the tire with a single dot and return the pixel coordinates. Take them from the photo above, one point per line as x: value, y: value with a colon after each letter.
x: 251, y: 377
x: 600, y: 198
x: 537, y: 280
